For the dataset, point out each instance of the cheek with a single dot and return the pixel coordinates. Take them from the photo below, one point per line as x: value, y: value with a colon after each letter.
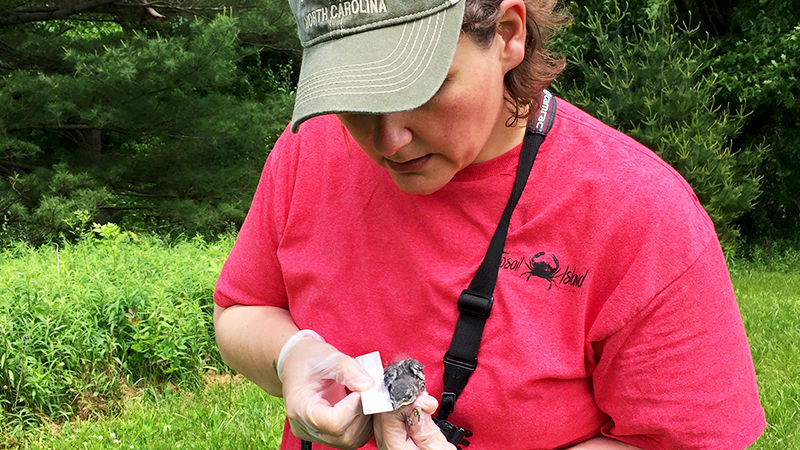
x: 478, y: 99
x: 471, y: 119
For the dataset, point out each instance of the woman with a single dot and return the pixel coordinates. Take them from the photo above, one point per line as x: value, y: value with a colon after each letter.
x: 614, y: 322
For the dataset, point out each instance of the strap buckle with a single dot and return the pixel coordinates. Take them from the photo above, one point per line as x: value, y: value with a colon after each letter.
x: 457, y: 373
x: 447, y: 406
x: 475, y: 304
x: 454, y: 434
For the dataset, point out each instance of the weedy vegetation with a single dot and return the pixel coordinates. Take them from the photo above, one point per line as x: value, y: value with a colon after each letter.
x: 106, y: 338
x: 82, y: 323
x: 108, y: 342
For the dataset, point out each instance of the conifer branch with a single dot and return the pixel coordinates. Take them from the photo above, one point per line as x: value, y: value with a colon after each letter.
x: 17, y: 16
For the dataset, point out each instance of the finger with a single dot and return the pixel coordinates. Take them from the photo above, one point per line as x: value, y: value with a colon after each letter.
x: 427, y: 403
x: 355, y: 436
x: 305, y: 431
x: 349, y: 406
x: 377, y: 426
x: 426, y: 434
x: 424, y: 404
x: 352, y: 375
x: 335, y: 419
x: 360, y: 431
x: 345, y: 428
x: 391, y: 432
x: 346, y: 371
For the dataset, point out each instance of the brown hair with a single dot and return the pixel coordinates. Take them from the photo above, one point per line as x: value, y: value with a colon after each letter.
x: 539, y: 67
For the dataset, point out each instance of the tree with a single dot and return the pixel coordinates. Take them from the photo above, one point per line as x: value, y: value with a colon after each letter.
x: 151, y: 115
x: 637, y: 72
x: 750, y: 65
x: 758, y: 63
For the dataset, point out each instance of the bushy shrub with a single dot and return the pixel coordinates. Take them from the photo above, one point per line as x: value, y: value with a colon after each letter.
x: 80, y: 322
x: 41, y: 205
x: 758, y: 69
x: 653, y: 82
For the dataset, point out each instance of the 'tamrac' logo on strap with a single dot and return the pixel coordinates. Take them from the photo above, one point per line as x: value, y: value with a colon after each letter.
x: 546, y: 114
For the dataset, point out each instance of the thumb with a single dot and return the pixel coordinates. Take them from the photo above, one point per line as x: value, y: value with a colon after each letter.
x: 427, y: 403
x: 353, y: 376
x: 427, y: 435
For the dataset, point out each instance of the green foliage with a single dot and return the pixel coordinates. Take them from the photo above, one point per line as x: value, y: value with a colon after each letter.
x: 80, y: 322
x: 638, y: 73
x: 165, y: 123
x: 42, y: 204
x: 239, y: 415
x: 760, y: 65
x: 758, y: 69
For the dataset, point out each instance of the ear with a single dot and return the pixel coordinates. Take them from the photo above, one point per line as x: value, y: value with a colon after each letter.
x: 511, y: 30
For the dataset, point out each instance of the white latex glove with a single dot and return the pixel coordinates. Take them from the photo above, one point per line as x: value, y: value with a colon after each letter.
x: 314, y: 376
x: 411, y: 427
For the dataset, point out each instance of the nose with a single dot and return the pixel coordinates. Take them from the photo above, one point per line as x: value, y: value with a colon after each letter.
x: 391, y: 133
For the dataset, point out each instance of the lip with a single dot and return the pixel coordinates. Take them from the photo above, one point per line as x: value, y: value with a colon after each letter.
x: 409, y: 166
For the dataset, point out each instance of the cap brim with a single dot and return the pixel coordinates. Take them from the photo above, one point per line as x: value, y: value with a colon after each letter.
x: 384, y: 70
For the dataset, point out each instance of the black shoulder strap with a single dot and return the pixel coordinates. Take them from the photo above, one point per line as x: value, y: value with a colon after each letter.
x: 475, y: 302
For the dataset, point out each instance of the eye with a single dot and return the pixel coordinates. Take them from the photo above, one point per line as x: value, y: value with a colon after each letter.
x: 351, y: 120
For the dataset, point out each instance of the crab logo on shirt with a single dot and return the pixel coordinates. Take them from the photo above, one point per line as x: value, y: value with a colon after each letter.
x: 545, y: 266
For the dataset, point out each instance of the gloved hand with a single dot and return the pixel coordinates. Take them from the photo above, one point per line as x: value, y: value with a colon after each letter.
x: 314, y: 376
x: 410, y: 427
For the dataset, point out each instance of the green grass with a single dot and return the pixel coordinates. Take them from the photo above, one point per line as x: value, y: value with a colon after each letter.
x: 104, y: 391
x: 770, y: 305
x: 226, y: 414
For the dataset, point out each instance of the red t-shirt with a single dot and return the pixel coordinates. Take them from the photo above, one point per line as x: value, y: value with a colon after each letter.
x: 613, y: 310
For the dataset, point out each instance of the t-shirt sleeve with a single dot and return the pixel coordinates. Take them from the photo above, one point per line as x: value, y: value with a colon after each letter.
x: 252, y: 274
x: 680, y: 373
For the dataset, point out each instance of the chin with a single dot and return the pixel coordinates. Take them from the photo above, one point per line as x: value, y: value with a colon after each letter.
x: 417, y: 184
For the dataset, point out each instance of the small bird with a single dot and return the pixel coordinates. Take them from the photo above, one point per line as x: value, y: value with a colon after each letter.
x: 404, y: 380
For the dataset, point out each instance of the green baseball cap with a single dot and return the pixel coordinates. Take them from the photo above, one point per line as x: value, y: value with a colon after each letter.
x: 372, y: 56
